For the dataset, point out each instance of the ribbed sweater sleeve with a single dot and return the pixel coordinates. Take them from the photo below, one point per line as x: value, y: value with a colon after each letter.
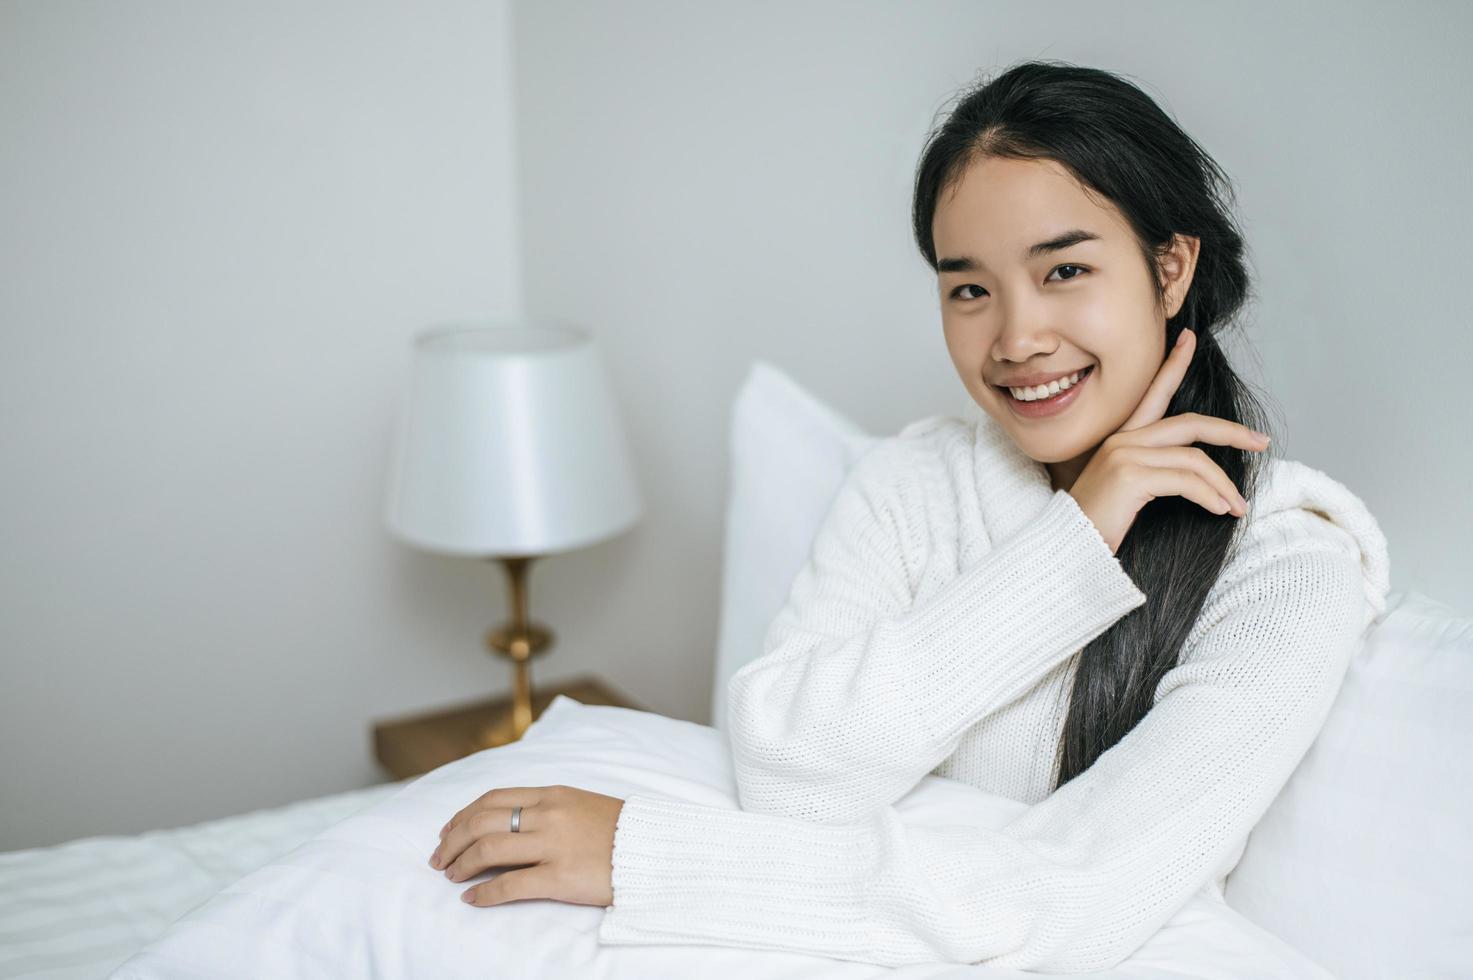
x: 1076, y: 882
x: 859, y: 693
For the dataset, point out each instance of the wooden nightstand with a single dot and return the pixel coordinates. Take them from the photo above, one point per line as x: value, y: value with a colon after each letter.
x: 413, y: 746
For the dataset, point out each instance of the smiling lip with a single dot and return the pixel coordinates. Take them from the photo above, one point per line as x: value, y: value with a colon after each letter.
x: 1045, y: 407
x: 1034, y: 380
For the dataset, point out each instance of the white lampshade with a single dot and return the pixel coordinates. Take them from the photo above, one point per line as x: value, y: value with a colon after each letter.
x: 510, y: 443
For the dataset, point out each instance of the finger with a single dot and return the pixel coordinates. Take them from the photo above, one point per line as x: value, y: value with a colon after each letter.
x: 1190, y: 427
x: 1158, y: 396
x: 509, y: 886
x: 477, y: 824
x: 468, y: 809
x: 497, y: 850
x: 1189, y: 484
x: 1197, y: 460
x: 507, y: 796
x: 489, y: 798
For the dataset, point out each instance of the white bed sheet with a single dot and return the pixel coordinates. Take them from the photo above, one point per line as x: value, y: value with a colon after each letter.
x: 75, y: 911
x: 360, y: 899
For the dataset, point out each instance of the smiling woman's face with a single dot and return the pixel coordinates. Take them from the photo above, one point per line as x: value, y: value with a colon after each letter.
x: 1009, y: 315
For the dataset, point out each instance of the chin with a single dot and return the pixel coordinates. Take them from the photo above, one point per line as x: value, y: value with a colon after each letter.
x: 1043, y: 447
x: 1044, y: 457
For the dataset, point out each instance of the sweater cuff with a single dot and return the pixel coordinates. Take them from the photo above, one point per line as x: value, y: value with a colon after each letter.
x: 1026, y: 606
x: 686, y: 873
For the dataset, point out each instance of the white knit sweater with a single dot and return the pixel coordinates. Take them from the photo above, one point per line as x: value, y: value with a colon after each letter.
x: 935, y: 628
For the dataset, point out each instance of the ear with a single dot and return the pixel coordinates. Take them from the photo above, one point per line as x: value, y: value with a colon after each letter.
x: 1178, y: 264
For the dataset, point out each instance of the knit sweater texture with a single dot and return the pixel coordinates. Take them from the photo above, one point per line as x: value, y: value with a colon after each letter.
x: 935, y: 629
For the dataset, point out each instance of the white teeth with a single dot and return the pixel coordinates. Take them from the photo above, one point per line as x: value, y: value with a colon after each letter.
x: 1048, y: 390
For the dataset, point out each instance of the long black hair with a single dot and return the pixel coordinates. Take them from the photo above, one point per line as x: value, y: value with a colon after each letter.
x: 1116, y: 141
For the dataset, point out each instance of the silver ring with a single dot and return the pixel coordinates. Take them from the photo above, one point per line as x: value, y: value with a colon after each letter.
x: 516, y: 820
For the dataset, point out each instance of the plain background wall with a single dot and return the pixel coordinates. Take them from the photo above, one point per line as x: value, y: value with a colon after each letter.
x: 220, y: 227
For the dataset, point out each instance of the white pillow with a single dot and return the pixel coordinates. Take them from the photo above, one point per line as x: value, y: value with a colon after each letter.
x: 361, y: 900
x: 1365, y: 859
x: 789, y: 453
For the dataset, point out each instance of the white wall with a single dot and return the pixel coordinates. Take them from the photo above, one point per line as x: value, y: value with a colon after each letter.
x: 220, y: 225
x: 711, y: 183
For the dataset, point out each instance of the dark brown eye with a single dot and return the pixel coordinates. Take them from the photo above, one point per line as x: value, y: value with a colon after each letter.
x: 1069, y: 266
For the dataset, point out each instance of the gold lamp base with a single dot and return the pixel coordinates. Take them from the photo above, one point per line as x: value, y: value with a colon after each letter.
x: 520, y: 640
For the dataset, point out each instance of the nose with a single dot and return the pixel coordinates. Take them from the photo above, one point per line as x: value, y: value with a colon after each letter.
x: 1024, y: 333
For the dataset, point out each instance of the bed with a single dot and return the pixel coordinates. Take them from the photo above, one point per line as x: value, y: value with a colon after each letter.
x: 1361, y: 867
x: 79, y: 909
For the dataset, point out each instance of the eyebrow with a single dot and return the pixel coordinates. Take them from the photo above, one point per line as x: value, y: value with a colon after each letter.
x: 1074, y: 236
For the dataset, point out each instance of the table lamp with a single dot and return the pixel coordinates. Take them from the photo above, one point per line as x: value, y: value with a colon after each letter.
x: 510, y: 447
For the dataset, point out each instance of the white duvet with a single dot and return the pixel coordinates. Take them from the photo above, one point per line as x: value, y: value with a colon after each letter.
x: 74, y: 911
x: 360, y: 899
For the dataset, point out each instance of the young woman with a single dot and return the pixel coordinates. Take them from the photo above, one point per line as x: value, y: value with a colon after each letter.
x: 1101, y: 598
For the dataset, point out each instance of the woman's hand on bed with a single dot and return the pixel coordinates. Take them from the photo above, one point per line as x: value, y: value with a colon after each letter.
x: 564, y: 850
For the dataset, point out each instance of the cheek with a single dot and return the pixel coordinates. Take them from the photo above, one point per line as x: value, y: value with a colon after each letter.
x: 952, y: 341
x: 966, y: 348
x: 1127, y: 352
x: 1120, y: 388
